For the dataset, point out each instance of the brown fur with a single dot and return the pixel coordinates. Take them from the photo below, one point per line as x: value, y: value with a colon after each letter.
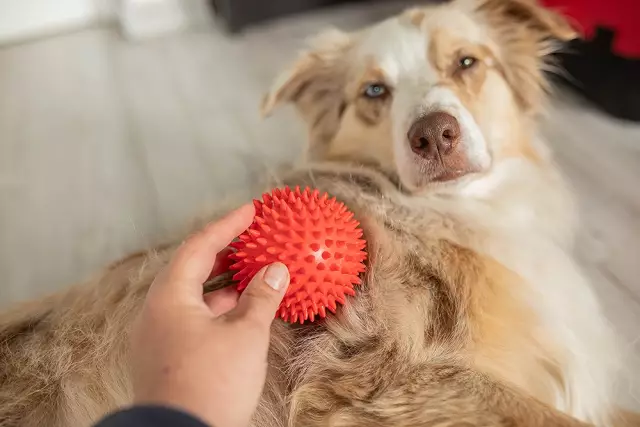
x: 425, y: 342
x: 439, y: 334
x: 371, y: 111
x: 531, y: 39
x: 415, y: 16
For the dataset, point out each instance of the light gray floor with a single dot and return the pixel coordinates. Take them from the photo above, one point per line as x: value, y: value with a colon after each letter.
x: 107, y: 147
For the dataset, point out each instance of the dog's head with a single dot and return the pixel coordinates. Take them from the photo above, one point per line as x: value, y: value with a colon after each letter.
x: 435, y: 96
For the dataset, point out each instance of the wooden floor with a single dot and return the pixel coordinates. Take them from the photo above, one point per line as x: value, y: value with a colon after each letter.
x: 108, y: 146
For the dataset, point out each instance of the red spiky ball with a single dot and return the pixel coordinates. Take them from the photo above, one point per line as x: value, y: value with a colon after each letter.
x: 316, y: 237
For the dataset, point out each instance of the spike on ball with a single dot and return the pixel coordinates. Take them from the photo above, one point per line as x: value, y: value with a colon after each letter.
x: 305, y: 230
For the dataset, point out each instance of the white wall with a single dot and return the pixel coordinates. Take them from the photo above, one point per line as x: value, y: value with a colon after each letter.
x: 148, y: 18
x: 24, y: 19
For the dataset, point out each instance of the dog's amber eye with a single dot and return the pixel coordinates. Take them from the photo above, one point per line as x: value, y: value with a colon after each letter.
x: 375, y: 90
x: 467, y: 62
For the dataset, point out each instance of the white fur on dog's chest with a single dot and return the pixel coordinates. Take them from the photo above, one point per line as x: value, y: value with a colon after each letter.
x: 569, y: 312
x: 516, y: 234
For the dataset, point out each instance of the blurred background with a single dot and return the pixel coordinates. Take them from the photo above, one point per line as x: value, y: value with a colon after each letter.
x: 122, y: 121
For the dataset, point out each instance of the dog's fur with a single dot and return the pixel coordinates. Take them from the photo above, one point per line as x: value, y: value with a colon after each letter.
x: 472, y: 311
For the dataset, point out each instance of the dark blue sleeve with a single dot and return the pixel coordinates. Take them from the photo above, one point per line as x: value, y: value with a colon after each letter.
x: 150, y: 416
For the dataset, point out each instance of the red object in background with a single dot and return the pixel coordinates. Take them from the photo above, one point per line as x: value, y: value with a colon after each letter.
x: 620, y: 16
x: 316, y: 238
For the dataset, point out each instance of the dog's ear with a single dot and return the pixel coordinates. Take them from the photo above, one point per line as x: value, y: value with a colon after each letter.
x: 526, y: 34
x: 320, y: 71
x: 545, y: 22
x: 316, y: 85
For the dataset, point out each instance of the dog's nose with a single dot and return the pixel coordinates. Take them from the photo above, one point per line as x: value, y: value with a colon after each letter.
x: 436, y: 133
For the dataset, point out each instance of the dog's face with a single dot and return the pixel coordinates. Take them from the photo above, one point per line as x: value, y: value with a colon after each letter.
x: 435, y: 96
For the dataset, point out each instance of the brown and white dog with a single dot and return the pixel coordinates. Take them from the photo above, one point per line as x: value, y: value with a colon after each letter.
x: 472, y: 311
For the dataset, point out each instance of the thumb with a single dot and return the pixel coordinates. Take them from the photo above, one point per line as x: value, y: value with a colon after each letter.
x: 261, y: 298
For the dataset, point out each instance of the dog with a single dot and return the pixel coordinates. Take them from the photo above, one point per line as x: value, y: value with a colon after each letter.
x: 472, y: 310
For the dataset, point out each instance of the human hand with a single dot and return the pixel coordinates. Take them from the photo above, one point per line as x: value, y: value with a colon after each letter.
x: 206, y: 355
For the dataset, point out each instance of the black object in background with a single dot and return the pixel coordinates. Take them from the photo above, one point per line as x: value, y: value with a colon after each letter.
x: 609, y: 81
x: 237, y: 14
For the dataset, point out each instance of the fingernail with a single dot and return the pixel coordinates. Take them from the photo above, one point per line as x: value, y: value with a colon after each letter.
x: 276, y: 276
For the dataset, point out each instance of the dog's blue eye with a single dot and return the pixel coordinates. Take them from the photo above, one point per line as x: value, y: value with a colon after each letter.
x: 375, y: 90
x: 467, y: 62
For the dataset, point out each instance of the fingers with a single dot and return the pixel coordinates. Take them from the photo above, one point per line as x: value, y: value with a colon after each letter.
x: 193, y: 261
x: 260, y: 300
x: 222, y: 301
